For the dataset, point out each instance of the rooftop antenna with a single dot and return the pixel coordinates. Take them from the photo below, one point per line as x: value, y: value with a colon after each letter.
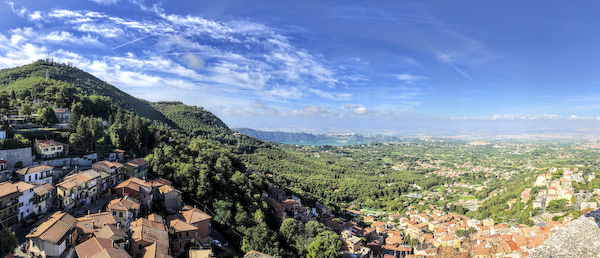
x: 47, y: 75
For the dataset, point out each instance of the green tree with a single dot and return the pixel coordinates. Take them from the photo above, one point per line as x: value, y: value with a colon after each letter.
x: 325, y: 244
x: 289, y: 228
x: 26, y: 109
x: 313, y: 228
x: 261, y: 239
x: 557, y: 205
x: 47, y: 117
x: 8, y: 242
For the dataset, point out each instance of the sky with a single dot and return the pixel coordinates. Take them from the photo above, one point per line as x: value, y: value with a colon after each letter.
x: 332, y: 66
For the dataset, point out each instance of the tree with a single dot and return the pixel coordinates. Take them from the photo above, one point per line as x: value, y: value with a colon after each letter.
x: 261, y: 239
x: 289, y: 228
x: 9, y: 242
x: 326, y: 244
x: 18, y: 164
x: 313, y: 228
x: 46, y: 116
x: 26, y: 109
x: 556, y: 205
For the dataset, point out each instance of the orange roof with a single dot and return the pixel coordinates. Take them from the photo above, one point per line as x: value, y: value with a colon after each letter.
x: 93, y: 246
x: 7, y: 188
x: 49, y: 143
x: 394, y: 240
x: 33, y: 169
x: 55, y: 229
x: 193, y: 215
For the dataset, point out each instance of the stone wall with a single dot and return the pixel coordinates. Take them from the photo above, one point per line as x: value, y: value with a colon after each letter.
x: 83, y: 161
x: 15, y: 155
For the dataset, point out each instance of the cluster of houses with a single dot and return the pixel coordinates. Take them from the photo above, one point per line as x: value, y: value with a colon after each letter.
x: 123, y: 229
x: 556, y: 188
x: 435, y: 230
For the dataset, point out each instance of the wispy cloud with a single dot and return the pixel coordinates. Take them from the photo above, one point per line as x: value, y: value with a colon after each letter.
x: 411, y: 78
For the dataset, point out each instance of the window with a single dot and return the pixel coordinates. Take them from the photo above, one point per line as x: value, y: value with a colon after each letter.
x: 59, y: 148
x: 120, y: 214
x: 29, y: 178
x: 52, y: 148
x: 45, y: 149
x: 35, y: 176
x: 114, y: 213
x: 140, y: 246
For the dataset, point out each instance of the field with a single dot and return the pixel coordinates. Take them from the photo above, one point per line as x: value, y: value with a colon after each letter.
x: 369, y: 211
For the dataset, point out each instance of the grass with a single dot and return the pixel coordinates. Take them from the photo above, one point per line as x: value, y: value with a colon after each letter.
x: 369, y: 211
x: 468, y: 197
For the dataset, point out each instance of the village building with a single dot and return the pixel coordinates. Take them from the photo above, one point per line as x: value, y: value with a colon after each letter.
x: 54, y: 237
x: 136, y: 168
x: 9, y: 204
x: 40, y: 174
x: 50, y: 149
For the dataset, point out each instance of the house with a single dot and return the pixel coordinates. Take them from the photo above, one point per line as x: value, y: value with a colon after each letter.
x: 54, y: 237
x: 137, y: 168
x: 50, y: 149
x: 323, y: 209
x: 40, y: 174
x: 42, y: 199
x: 156, y: 250
x: 183, y: 233
x: 146, y: 232
x: 26, y: 198
x: 79, y: 189
x: 88, y: 223
x: 68, y: 192
x: 136, y: 188
x: 353, y: 244
x: 113, y: 169
x: 169, y: 197
x: 63, y: 115
x: 89, y: 189
x: 98, y: 247
x: 124, y: 210
x: 9, y: 204
x: 116, y: 155
x: 198, y: 219
x: 113, y: 233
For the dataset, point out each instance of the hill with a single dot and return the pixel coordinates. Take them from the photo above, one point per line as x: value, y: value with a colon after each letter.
x: 29, y: 81
x: 312, y: 138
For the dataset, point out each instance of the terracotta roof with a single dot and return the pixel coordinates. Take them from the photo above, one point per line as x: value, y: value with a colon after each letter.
x: 160, y: 182
x: 156, y: 250
x: 156, y: 217
x: 55, y: 228
x: 93, y: 246
x: 149, y: 234
x: 193, y: 215
x: 90, y: 174
x: 180, y: 225
x: 167, y: 188
x: 108, y: 164
x: 22, y: 186
x: 33, y: 169
x: 70, y: 183
x: 99, y: 219
x: 124, y: 203
x: 137, y: 162
x: 520, y: 240
x: 134, y: 183
x: 49, y: 143
x: 109, y: 231
x: 394, y: 240
x: 112, y: 253
x: 149, y: 223
x: 43, y: 189
x: 7, y: 188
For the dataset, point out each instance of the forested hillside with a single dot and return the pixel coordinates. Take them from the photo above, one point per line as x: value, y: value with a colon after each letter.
x: 275, y: 136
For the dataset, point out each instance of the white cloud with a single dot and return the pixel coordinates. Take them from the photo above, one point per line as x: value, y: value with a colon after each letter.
x: 106, y: 2
x: 411, y: 78
x: 335, y: 96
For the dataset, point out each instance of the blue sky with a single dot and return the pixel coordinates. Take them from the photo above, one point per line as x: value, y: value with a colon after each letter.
x: 332, y: 65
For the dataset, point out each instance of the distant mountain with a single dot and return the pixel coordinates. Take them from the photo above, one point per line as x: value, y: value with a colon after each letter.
x: 285, y: 137
x: 29, y: 80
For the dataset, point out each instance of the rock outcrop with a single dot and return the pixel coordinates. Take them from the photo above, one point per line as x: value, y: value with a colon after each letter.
x: 579, y: 238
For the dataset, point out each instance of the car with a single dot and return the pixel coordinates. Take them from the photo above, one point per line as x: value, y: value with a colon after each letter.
x: 218, y: 243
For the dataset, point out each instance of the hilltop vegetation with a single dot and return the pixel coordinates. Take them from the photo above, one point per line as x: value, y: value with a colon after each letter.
x: 313, y: 138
